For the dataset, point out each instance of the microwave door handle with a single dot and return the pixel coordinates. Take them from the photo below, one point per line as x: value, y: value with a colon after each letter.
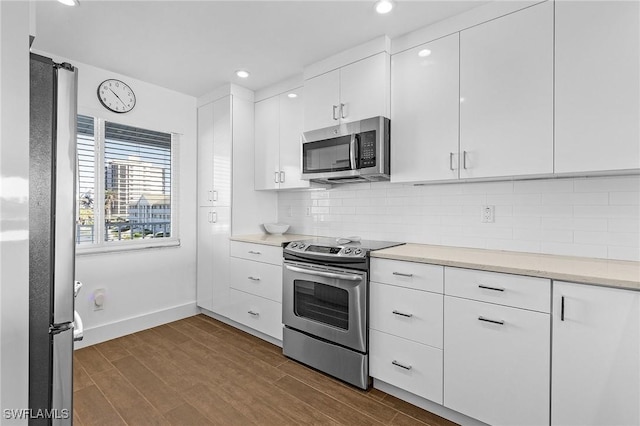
x: 348, y: 277
x: 353, y: 152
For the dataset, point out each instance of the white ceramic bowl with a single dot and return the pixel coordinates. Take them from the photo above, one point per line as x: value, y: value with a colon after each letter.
x: 276, y: 228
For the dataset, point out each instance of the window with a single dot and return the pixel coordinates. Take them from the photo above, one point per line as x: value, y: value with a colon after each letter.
x: 126, y: 184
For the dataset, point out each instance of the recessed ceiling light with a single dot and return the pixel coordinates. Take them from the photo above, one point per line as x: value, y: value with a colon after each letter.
x: 292, y: 95
x: 69, y: 2
x: 242, y: 73
x: 424, y: 53
x: 384, y: 6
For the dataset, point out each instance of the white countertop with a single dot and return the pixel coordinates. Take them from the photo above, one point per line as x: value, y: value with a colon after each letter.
x: 614, y: 273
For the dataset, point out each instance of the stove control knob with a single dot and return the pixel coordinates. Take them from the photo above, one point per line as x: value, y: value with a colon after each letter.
x: 294, y: 245
x: 358, y: 252
x: 301, y: 246
x: 347, y: 250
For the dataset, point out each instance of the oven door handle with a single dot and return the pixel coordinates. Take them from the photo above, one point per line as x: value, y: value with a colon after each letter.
x: 348, y: 277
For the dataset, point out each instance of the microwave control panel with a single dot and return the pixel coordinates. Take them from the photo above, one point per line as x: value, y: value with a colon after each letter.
x: 367, y: 149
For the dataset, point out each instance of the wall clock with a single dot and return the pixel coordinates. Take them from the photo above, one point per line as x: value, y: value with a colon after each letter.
x: 116, y: 96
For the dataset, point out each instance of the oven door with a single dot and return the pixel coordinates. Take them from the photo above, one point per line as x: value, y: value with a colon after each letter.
x: 329, y: 303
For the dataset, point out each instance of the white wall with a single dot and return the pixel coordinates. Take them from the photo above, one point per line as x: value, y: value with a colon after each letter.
x: 151, y: 286
x: 591, y: 217
x: 14, y: 206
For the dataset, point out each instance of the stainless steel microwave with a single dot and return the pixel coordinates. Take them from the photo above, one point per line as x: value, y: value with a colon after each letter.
x: 349, y: 152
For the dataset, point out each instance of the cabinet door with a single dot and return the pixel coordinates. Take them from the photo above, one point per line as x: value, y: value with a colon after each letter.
x: 322, y: 101
x: 266, y: 142
x: 205, y: 258
x: 291, y: 122
x: 220, y: 245
x: 506, y: 95
x: 496, y: 373
x: 424, y: 112
x: 222, y: 151
x: 205, y: 155
x: 596, y: 356
x: 597, y: 86
x: 364, y: 88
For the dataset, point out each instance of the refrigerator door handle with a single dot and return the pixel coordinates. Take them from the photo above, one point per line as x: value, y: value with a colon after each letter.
x: 76, y: 289
x: 78, y: 329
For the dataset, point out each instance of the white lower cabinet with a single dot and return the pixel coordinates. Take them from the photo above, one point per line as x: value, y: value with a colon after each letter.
x: 596, y: 356
x: 256, y: 287
x: 256, y: 312
x: 409, y: 365
x: 497, y: 362
x: 405, y: 326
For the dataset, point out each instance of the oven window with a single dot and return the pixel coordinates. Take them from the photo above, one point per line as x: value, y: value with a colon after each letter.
x: 320, y: 302
x: 330, y: 155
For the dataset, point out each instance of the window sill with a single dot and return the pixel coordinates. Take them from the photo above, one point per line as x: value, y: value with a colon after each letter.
x: 90, y: 249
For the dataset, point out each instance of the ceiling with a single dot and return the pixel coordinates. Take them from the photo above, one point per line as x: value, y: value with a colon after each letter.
x: 194, y: 47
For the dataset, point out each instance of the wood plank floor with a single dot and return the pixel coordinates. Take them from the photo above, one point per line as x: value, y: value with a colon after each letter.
x: 199, y: 371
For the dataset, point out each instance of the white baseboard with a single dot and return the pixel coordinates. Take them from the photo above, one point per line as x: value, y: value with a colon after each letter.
x: 109, y: 331
x: 425, y: 404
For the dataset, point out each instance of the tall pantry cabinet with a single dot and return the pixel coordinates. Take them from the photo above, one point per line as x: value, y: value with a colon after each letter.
x: 225, y: 162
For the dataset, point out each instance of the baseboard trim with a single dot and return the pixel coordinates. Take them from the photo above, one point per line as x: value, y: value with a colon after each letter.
x: 425, y: 404
x: 102, y: 333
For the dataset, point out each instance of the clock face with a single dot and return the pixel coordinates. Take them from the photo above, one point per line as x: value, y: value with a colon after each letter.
x: 116, y: 96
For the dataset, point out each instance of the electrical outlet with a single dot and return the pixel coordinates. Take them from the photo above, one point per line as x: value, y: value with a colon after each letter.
x: 488, y: 214
x: 98, y: 299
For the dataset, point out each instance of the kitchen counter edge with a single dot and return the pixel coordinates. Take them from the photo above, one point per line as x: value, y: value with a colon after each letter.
x: 269, y: 239
x: 611, y: 273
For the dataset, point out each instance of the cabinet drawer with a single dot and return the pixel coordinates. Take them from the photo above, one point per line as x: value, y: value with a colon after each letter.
x: 420, y: 276
x: 408, y: 365
x: 496, y: 373
x: 256, y: 312
x: 258, y: 252
x: 504, y: 289
x: 260, y: 279
x: 408, y: 313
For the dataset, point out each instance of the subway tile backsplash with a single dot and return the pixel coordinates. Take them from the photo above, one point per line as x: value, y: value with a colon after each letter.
x: 591, y: 217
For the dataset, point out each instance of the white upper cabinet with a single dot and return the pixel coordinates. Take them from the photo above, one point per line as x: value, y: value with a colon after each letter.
x: 291, y: 121
x: 597, y: 86
x: 424, y: 112
x: 278, y: 133
x: 364, y: 88
x: 596, y: 356
x: 322, y: 101
x: 354, y: 92
x: 506, y: 95
x: 267, y: 142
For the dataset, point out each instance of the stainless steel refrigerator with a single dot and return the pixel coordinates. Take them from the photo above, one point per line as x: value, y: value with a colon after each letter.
x: 52, y: 286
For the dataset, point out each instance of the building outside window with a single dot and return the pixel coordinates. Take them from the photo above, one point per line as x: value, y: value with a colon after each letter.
x: 126, y: 184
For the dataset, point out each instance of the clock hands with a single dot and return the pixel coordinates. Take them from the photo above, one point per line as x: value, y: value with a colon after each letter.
x: 117, y: 96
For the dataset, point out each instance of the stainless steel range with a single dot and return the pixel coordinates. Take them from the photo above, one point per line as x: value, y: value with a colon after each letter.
x: 325, y: 305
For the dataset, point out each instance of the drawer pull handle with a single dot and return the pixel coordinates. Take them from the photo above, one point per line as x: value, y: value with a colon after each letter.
x: 403, y: 275
x: 397, y: 364
x: 254, y: 252
x: 491, y: 321
x: 402, y: 314
x: 255, y: 314
x: 254, y: 278
x: 490, y: 288
x: 562, y: 308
